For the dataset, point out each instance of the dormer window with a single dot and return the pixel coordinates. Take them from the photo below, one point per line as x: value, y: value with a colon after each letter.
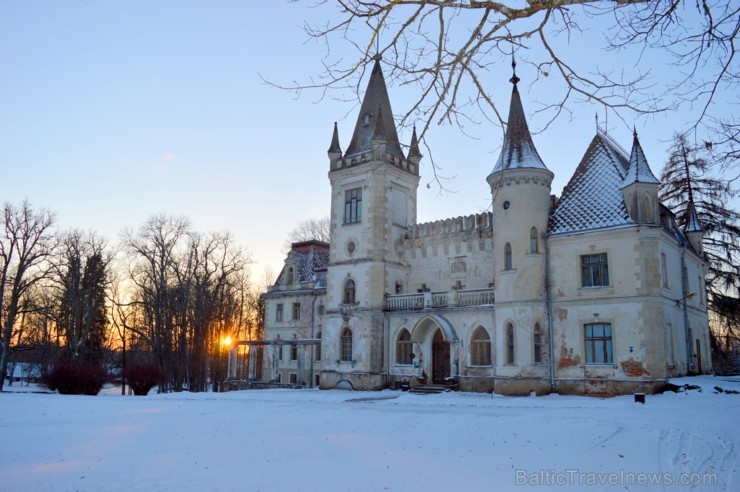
x: 366, y: 119
x: 289, y: 279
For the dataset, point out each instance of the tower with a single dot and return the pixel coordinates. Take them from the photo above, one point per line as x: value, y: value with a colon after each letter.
x: 373, y: 202
x: 640, y: 188
x: 520, y: 189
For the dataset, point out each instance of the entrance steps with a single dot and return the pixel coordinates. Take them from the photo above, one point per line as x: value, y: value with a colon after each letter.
x: 430, y: 389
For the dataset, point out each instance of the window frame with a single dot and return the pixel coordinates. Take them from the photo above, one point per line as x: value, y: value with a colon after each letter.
x: 352, y: 206
x: 534, y: 245
x: 594, y: 270
x: 508, y: 258
x: 480, y: 348
x: 345, y: 345
x: 317, y: 348
x: 404, y: 348
x: 510, y: 345
x: 279, y: 313
x: 296, y: 311
x: 350, y: 292
x: 599, y: 342
x: 537, y: 345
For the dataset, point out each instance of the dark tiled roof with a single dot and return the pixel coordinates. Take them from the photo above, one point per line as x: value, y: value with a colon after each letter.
x: 518, y: 150
x: 313, y: 258
x: 414, y: 147
x: 334, y: 147
x: 639, y: 170
x: 377, y: 106
x: 593, y: 197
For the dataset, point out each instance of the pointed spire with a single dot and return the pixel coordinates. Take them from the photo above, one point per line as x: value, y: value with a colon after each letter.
x: 414, y: 147
x: 639, y: 170
x: 692, y: 220
x: 375, y: 120
x: 334, y: 148
x: 518, y: 150
x: 514, y: 79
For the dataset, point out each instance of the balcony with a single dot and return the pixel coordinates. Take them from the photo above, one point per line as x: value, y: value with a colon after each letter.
x: 439, y: 300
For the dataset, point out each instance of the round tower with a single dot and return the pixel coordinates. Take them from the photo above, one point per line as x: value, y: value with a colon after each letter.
x: 520, y: 190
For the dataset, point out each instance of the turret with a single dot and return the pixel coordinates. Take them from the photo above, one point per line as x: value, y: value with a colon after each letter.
x: 414, y: 153
x: 335, y: 151
x: 693, y: 229
x: 640, y: 187
x: 520, y: 188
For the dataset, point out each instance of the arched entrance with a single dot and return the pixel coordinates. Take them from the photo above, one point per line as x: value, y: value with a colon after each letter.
x: 440, y: 358
x: 433, y: 338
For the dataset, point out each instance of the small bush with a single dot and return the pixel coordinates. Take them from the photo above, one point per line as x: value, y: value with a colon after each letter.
x: 142, y: 377
x: 76, y: 378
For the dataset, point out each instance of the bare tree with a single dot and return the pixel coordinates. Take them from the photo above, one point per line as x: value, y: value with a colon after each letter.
x: 309, y: 230
x: 447, y: 47
x: 26, y: 244
x: 81, y: 282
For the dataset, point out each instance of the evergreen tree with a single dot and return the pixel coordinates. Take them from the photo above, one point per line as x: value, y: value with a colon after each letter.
x: 81, y: 309
x: 686, y: 183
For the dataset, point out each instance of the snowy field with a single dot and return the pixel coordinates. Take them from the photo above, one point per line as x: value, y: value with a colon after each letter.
x: 335, y: 440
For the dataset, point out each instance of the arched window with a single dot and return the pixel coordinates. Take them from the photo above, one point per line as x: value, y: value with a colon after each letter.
x: 290, y: 275
x: 480, y: 348
x: 509, y: 343
x: 317, y: 355
x: 508, y: 263
x: 403, y: 348
x: 537, y: 341
x: 346, y: 348
x: 349, y: 291
x: 533, y: 245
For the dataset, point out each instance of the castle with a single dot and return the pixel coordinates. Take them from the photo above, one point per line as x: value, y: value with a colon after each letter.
x: 595, y: 292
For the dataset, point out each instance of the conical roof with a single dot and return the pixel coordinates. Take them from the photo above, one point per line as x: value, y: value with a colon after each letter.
x: 639, y: 170
x: 692, y: 223
x: 414, y: 147
x: 375, y: 120
x: 518, y: 150
x: 334, y: 147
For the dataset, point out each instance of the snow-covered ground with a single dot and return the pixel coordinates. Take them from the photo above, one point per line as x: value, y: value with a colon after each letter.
x: 389, y: 440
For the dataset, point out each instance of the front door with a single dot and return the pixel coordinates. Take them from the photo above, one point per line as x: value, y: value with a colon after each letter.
x: 440, y: 358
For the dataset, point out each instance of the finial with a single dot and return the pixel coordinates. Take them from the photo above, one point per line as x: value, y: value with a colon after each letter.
x: 634, y: 131
x: 514, y: 79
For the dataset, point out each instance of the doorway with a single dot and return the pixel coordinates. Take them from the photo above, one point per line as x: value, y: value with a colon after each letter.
x: 440, y: 358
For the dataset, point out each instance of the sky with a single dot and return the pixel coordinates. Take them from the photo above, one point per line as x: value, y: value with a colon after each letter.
x: 115, y: 111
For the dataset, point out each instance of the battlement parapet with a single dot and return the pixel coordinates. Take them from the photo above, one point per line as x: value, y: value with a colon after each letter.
x: 467, y: 225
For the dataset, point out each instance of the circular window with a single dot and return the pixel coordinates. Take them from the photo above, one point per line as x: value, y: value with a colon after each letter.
x: 351, y: 247
x: 507, y: 204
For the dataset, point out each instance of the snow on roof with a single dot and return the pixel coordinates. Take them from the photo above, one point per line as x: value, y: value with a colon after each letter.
x: 639, y: 170
x: 593, y: 197
x: 692, y: 224
x: 518, y: 150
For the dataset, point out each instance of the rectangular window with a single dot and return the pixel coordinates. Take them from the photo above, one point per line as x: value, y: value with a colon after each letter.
x: 294, y: 352
x: 353, y: 206
x: 702, y: 291
x: 598, y: 337
x: 537, y: 345
x: 664, y: 270
x: 594, y: 271
x: 293, y: 378
x: 296, y: 311
x: 279, y: 312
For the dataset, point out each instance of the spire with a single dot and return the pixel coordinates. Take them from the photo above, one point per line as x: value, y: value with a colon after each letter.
x: 692, y: 218
x: 334, y: 148
x: 414, y: 147
x: 375, y: 120
x: 514, y: 79
x: 518, y: 150
x: 639, y: 170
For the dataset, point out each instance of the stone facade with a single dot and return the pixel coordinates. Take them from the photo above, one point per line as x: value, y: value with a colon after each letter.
x: 597, y: 292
